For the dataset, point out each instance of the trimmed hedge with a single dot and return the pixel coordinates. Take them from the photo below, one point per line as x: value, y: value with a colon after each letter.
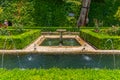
x: 18, y: 41
x: 100, y: 41
x: 59, y: 74
x: 52, y: 29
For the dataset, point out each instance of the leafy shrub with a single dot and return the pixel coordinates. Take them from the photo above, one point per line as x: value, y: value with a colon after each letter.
x: 3, y: 31
x: 106, y: 11
x: 19, y: 12
x: 10, y: 32
x: 113, y: 31
x: 57, y: 13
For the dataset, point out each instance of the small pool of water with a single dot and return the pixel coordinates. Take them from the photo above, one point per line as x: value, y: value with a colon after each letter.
x: 60, y: 61
x: 56, y: 42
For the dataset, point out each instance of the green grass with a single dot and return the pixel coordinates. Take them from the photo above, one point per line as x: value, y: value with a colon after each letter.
x: 59, y: 74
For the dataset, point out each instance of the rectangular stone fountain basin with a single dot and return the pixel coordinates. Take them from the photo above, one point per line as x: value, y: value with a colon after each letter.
x: 25, y: 61
x: 50, y: 43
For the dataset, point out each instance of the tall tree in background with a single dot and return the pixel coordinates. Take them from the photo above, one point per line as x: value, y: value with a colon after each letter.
x: 83, y: 18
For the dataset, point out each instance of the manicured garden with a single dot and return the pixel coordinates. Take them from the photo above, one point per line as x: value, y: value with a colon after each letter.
x: 13, y: 39
x: 105, y: 38
x: 31, y: 17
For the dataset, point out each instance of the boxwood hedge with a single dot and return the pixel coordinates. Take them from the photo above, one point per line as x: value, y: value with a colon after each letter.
x: 18, y: 41
x: 100, y: 41
x: 47, y: 29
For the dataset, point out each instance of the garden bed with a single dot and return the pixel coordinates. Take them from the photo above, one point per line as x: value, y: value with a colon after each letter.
x: 15, y: 40
x: 100, y: 40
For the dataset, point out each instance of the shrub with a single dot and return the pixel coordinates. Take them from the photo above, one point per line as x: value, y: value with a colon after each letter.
x: 106, y: 11
x: 113, y: 31
x: 52, y: 29
x: 18, y: 41
x: 99, y: 40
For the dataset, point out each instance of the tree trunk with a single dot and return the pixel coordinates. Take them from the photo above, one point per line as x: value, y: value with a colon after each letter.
x: 83, y: 18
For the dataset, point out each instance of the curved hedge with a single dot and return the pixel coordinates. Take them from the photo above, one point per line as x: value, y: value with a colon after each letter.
x: 18, y: 41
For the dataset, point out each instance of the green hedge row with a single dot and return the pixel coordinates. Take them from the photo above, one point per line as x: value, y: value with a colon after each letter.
x: 100, y: 41
x: 52, y: 29
x: 18, y: 41
x: 59, y: 74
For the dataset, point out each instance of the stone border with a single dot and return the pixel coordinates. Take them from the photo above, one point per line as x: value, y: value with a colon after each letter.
x: 35, y: 45
x: 36, y: 49
x: 52, y: 52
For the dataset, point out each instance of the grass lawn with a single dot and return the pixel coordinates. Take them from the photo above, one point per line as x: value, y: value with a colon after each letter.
x: 59, y: 74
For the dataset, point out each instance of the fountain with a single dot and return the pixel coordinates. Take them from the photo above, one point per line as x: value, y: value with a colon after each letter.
x: 46, y: 53
x: 109, y: 44
x: 61, y: 39
x: 4, y: 48
x: 61, y: 61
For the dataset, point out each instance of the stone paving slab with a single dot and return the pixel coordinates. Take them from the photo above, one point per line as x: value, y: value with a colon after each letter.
x: 52, y: 52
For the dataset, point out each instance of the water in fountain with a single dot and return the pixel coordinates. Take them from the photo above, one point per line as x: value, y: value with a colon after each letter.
x: 62, y: 61
x: 55, y: 42
x: 49, y: 43
x: 5, y: 47
x: 109, y: 45
x: 2, y: 63
x: 71, y: 42
x: 61, y: 35
x: 100, y: 59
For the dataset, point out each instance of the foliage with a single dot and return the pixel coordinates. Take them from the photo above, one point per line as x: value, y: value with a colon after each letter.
x: 18, y: 28
x: 100, y: 40
x: 117, y: 15
x: 3, y: 31
x: 112, y: 31
x: 17, y: 11
x: 57, y: 13
x: 105, y: 11
x: 59, y: 74
x: 1, y: 10
x: 21, y: 40
x: 40, y: 12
